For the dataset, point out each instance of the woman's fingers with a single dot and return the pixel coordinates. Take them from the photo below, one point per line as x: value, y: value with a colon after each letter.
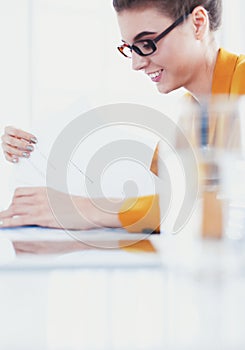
x: 17, y: 210
x: 23, y: 220
x: 14, y: 142
x: 20, y: 134
x: 11, y: 158
x: 38, y: 192
x: 17, y: 143
x: 12, y: 151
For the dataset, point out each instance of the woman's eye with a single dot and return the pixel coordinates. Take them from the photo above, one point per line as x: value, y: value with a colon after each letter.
x: 146, y: 45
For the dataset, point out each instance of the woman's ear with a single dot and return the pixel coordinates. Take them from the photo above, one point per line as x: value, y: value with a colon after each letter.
x: 200, y: 21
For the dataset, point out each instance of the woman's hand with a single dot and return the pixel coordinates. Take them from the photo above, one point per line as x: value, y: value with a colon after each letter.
x: 17, y: 143
x: 47, y: 207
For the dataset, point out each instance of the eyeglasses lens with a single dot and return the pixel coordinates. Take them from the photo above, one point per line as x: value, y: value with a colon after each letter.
x: 145, y: 47
x: 126, y: 51
x: 142, y: 48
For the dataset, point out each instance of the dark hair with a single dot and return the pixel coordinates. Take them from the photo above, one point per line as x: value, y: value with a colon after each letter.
x: 175, y: 8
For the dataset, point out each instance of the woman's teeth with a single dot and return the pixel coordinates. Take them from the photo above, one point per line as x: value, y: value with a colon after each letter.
x: 155, y: 74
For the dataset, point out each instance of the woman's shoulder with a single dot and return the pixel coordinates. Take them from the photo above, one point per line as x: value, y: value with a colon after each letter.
x: 241, y: 62
x: 238, y: 81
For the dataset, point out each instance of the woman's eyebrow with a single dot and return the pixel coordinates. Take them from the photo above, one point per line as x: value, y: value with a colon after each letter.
x: 140, y: 35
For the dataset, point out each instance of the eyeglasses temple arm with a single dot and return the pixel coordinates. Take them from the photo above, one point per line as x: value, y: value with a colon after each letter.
x: 175, y: 24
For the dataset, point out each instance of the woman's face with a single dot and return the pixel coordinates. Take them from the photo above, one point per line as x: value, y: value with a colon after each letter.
x: 175, y: 62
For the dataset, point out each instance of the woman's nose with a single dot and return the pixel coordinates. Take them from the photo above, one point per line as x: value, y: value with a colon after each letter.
x: 139, y: 62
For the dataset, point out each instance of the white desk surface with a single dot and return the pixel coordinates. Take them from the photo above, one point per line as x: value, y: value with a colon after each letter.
x: 188, y: 296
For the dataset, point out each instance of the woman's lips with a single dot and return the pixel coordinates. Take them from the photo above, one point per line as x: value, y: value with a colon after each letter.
x: 155, y: 76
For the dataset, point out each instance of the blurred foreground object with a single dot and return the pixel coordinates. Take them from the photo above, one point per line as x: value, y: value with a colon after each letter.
x: 214, y: 129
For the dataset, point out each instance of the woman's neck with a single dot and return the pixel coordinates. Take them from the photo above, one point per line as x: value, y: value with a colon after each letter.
x: 201, y: 85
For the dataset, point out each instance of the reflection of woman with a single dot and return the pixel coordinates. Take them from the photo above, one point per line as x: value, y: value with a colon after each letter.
x: 173, y: 43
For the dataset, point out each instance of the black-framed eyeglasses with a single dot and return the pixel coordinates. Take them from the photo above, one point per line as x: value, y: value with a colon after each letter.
x: 146, y: 47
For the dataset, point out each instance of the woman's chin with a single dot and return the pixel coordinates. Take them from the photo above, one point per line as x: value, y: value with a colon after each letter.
x: 163, y: 89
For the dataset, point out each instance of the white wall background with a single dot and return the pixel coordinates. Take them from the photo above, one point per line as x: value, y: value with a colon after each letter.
x: 56, y: 54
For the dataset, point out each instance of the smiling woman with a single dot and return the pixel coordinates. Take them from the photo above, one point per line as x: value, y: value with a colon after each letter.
x: 183, y: 53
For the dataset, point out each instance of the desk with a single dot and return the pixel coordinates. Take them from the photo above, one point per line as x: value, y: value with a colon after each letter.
x: 191, y: 296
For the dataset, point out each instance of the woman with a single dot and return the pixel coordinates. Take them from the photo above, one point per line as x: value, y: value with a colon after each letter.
x: 173, y: 43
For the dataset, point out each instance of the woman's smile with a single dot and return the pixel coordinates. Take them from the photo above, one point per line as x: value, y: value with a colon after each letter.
x: 155, y: 76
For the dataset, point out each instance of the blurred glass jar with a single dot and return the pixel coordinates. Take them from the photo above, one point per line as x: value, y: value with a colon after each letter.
x: 232, y: 180
x: 214, y: 130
